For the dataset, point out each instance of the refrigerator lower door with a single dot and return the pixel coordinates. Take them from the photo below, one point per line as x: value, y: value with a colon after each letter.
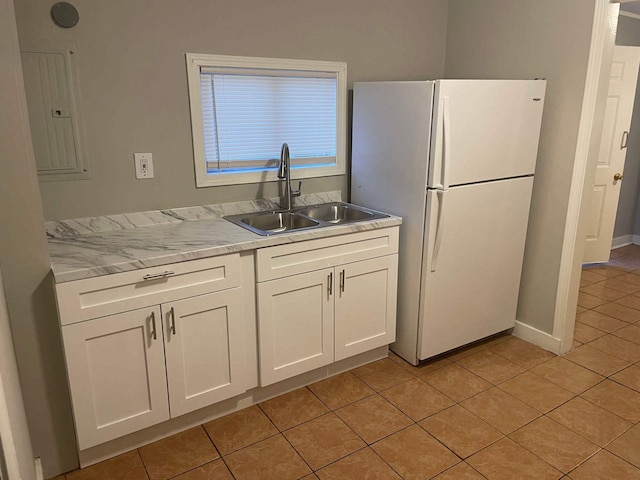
x: 470, y: 282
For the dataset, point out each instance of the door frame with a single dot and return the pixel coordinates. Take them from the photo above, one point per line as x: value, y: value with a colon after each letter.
x: 602, y: 38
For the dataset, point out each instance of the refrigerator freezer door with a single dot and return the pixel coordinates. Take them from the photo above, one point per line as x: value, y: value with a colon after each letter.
x: 493, y: 130
x: 470, y: 290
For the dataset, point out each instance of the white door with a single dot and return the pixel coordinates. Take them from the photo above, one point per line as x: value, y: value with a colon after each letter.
x: 365, y: 315
x: 116, y: 375
x: 295, y: 324
x: 610, y: 166
x: 485, y: 130
x: 204, y: 347
x: 475, y: 246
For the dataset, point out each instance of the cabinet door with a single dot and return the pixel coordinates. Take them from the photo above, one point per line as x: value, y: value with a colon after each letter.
x: 204, y: 346
x: 296, y: 324
x: 116, y: 375
x: 366, y: 305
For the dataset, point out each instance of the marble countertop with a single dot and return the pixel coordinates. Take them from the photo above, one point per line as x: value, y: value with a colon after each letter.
x: 96, y: 246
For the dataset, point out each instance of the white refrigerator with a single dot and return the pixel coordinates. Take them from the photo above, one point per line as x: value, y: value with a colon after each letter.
x: 455, y: 159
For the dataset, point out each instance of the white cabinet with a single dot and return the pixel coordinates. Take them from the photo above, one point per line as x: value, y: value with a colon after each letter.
x: 146, y: 346
x: 116, y: 375
x: 295, y: 316
x: 310, y: 317
x: 204, y: 348
x: 134, y: 369
x: 365, y: 305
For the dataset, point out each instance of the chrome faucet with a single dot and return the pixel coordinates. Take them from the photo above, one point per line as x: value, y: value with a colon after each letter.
x: 284, y: 173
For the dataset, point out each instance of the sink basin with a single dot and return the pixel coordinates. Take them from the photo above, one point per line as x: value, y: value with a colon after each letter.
x: 268, y: 223
x: 302, y: 218
x: 338, y: 213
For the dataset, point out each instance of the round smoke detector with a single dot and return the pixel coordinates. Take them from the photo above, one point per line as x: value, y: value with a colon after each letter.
x: 64, y: 15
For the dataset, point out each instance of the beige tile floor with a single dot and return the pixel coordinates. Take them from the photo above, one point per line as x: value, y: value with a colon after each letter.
x: 501, y: 409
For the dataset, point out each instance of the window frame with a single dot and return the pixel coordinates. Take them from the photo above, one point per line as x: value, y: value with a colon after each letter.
x: 204, y: 179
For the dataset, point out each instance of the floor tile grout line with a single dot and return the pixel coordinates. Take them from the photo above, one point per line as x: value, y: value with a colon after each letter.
x: 264, y: 412
x: 618, y: 456
x: 299, y: 453
x: 600, y: 449
x: 220, y: 453
x: 506, y: 436
x: 366, y: 444
x: 468, y: 465
x: 558, y: 406
x: 414, y: 423
x: 591, y: 388
x: 594, y: 310
x: 591, y: 369
x: 612, y: 354
x: 586, y: 400
x: 346, y: 404
x: 564, y: 426
x: 463, y: 459
x: 620, y: 383
x: 387, y: 463
x: 144, y: 465
x: 341, y: 458
x: 607, y: 302
x: 487, y: 380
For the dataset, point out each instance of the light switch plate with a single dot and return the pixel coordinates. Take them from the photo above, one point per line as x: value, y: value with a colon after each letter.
x: 144, y: 165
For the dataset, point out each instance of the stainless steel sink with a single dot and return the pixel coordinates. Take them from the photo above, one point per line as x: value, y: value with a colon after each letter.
x: 336, y: 213
x: 268, y: 223
x: 303, y: 218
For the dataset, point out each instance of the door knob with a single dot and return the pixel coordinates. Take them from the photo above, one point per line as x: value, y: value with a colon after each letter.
x: 618, y: 176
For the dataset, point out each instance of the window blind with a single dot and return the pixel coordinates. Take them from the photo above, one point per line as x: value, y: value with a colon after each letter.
x: 247, y: 116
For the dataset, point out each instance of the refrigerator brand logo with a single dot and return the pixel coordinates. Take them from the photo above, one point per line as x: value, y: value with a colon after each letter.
x: 536, y: 99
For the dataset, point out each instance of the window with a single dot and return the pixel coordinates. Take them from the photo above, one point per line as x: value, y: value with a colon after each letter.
x: 243, y: 109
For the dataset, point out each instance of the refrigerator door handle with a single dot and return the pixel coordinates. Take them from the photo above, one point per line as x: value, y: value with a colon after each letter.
x: 439, y: 230
x: 446, y: 147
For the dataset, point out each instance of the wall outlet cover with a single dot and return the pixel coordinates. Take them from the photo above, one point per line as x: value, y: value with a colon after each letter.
x: 144, y: 165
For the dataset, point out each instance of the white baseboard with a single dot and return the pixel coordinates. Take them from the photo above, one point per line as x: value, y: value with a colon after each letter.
x: 38, y: 464
x: 622, y: 241
x: 625, y: 240
x: 537, y: 337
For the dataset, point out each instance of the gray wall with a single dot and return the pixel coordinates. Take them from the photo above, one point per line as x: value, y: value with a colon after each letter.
x: 25, y: 265
x: 129, y: 59
x: 627, y: 219
x: 545, y: 38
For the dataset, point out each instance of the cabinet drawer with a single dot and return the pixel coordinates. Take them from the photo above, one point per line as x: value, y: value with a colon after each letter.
x: 109, y: 294
x: 294, y: 258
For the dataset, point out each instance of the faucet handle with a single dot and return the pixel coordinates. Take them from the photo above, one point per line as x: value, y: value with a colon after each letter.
x: 296, y: 193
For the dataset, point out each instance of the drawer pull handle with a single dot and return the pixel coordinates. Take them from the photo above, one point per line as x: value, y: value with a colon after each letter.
x: 173, y: 320
x: 153, y: 325
x: 342, y: 278
x: 154, y: 276
x: 330, y: 284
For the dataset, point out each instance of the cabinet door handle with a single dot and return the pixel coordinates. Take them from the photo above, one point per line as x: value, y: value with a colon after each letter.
x: 330, y: 284
x: 153, y: 325
x: 342, y: 278
x: 158, y: 275
x: 172, y: 313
